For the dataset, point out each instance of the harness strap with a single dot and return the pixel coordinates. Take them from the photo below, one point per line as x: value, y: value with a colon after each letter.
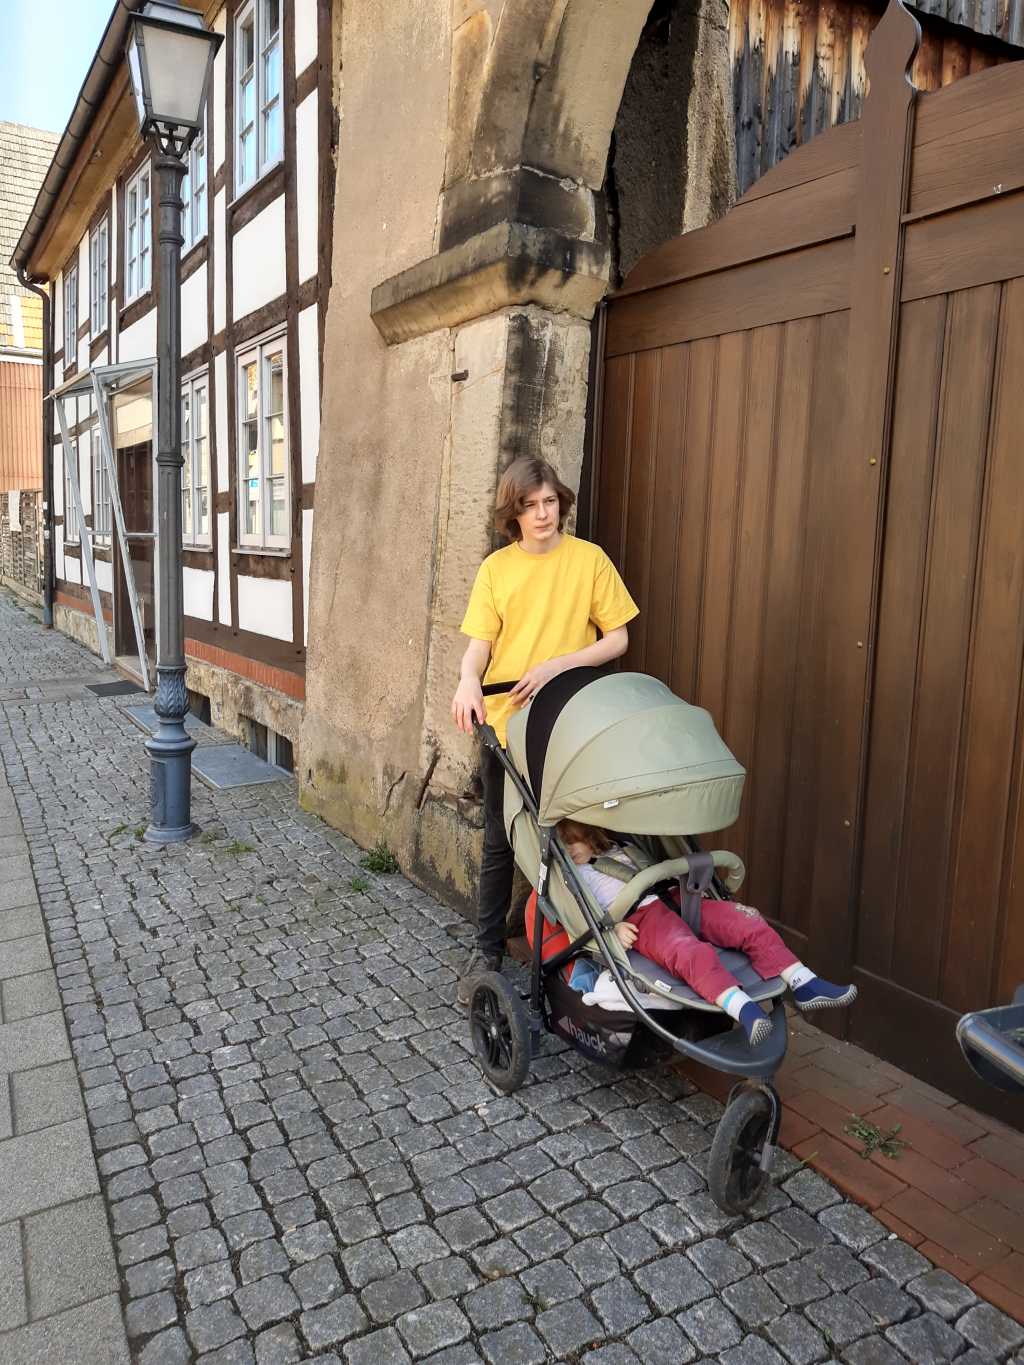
x: 698, y: 880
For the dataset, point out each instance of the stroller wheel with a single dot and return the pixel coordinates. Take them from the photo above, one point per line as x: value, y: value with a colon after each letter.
x: 735, y: 1177
x: 500, y: 1031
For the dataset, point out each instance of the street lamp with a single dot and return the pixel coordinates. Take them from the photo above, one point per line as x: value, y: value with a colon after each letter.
x: 170, y: 58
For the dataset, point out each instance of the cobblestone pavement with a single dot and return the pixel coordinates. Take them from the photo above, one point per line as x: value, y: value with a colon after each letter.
x: 300, y: 1159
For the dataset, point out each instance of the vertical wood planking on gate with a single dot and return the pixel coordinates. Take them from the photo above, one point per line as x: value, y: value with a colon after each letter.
x: 851, y: 565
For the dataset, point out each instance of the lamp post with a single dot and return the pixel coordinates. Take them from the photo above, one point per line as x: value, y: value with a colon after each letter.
x: 170, y: 59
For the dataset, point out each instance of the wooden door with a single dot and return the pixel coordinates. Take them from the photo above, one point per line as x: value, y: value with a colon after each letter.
x: 805, y: 469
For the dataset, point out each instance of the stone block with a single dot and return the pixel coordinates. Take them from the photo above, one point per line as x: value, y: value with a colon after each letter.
x: 69, y: 1256
x: 42, y: 1170
x: 33, y: 1042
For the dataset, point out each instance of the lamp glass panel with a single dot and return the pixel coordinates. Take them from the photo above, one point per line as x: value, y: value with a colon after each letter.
x: 176, y: 64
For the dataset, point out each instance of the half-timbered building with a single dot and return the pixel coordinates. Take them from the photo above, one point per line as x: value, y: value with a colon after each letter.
x: 253, y: 265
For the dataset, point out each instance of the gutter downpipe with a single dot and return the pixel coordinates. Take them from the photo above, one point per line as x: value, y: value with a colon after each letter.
x: 47, y: 418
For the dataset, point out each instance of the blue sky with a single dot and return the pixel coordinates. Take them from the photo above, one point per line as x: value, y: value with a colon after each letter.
x: 46, y: 51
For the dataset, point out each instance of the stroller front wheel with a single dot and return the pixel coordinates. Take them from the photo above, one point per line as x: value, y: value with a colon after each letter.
x: 500, y: 1031
x: 735, y: 1177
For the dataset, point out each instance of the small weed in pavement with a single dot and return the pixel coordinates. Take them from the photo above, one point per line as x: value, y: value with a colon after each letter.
x: 874, y: 1140
x: 359, y: 884
x: 140, y: 831
x: 118, y: 829
x: 380, y: 859
x: 237, y: 847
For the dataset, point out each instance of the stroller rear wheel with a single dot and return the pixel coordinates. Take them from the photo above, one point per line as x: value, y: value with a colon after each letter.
x: 500, y: 1031
x: 735, y: 1177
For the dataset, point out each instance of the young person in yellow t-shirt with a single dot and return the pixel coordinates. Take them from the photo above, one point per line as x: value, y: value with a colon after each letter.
x: 535, y: 610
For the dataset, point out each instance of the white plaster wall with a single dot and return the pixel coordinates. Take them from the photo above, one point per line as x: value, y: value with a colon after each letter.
x: 198, y: 592
x: 194, y: 313
x: 217, y: 94
x: 72, y: 570
x: 258, y: 262
x: 138, y: 342
x: 58, y: 371
x: 220, y: 288
x: 307, y: 198
x: 307, y: 555
x: 104, y: 575
x: 220, y: 444
x: 305, y: 34
x: 224, y: 568
x: 265, y: 606
x: 101, y: 357
x: 309, y: 390
x: 58, y: 557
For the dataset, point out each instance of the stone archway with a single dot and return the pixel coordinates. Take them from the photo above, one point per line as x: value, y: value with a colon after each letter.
x: 495, y: 320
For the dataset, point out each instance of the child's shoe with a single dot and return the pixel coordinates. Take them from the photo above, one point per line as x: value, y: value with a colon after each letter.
x: 819, y: 994
x: 756, y: 1024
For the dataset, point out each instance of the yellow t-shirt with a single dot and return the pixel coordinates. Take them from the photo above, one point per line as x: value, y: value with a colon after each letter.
x: 532, y: 608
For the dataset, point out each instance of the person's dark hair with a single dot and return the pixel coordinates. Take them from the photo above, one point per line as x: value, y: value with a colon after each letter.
x: 523, y: 477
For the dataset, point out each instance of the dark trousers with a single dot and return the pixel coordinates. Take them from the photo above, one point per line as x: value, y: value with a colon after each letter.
x: 498, y: 863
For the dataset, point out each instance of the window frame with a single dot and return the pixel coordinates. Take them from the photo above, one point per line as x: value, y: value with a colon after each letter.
x: 190, y: 487
x: 99, y: 237
x: 264, y: 52
x: 102, y: 525
x: 260, y: 352
x: 195, y: 195
x: 145, y: 251
x: 72, y: 536
x: 71, y: 314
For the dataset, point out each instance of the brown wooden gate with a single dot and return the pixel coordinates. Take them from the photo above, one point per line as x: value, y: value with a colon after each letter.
x: 809, y: 470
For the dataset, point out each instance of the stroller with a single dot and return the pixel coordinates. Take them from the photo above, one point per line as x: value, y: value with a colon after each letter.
x: 620, y: 750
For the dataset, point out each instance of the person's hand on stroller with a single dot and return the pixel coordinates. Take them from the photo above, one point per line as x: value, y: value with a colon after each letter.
x: 533, y: 680
x: 467, y: 704
x: 626, y: 933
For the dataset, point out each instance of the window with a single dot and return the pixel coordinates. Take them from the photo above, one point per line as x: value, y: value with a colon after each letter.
x: 70, y: 515
x: 193, y: 195
x: 258, y: 114
x: 98, y: 278
x: 70, y: 316
x: 263, y: 514
x: 138, y: 258
x: 102, y: 518
x: 195, y: 452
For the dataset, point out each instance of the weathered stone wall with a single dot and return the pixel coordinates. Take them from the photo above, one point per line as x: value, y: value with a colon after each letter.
x: 21, y: 551
x: 470, y: 206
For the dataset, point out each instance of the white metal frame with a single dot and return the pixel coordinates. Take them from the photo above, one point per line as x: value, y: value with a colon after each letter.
x: 97, y: 384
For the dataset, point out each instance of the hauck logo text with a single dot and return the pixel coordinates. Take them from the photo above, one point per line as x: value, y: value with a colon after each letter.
x: 586, y: 1039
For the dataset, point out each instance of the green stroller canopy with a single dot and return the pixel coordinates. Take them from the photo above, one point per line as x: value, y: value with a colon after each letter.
x: 622, y: 751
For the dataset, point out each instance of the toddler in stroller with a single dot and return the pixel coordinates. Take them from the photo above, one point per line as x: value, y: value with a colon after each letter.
x: 683, y: 938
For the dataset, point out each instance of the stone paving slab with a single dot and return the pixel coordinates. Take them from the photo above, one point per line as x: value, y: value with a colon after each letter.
x: 33, y: 1042
x: 20, y: 923
x: 46, y: 1168
x: 44, y: 1096
x: 23, y: 956
x: 33, y: 993
x: 92, y: 1334
x: 300, y: 1159
x: 18, y: 892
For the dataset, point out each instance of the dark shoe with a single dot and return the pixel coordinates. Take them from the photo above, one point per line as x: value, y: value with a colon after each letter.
x: 818, y: 994
x: 476, y: 964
